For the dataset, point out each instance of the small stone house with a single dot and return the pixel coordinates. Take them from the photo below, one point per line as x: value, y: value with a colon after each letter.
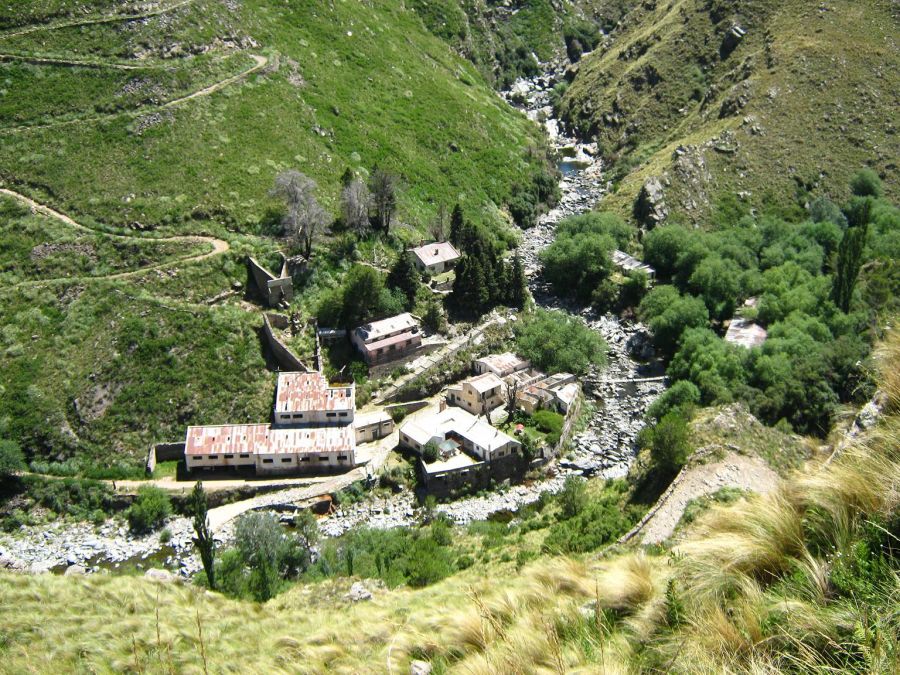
x: 501, y: 365
x: 373, y: 426
x: 479, y: 394
x: 554, y: 392
x: 387, y: 340
x: 434, y: 258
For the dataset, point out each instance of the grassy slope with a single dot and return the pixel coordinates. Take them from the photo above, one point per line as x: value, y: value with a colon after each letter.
x: 97, y: 369
x: 760, y: 585
x: 349, y: 84
x: 821, y: 88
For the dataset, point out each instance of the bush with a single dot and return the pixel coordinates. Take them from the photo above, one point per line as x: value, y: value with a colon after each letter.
x: 149, y: 510
x: 573, y: 498
x: 11, y: 458
x: 681, y: 397
x: 669, y: 443
x: 866, y: 183
x: 397, y: 414
x: 431, y: 452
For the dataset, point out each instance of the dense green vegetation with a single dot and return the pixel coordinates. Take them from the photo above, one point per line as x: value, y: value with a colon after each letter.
x: 822, y: 279
x: 149, y: 510
x: 557, y: 342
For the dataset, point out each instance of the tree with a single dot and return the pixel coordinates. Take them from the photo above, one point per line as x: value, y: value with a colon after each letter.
x: 662, y: 247
x: 431, y: 452
x: 573, y: 498
x: 576, y: 264
x: 406, y: 278
x: 557, y: 342
x: 518, y: 283
x: 433, y: 319
x: 849, y: 262
x: 355, y: 199
x: 306, y: 530
x: 714, y: 366
x: 383, y: 186
x: 204, y: 542
x: 304, y: 215
x: 362, y: 296
x: 149, y: 510
x: 717, y: 281
x: 669, y: 314
x: 681, y: 396
x: 11, y: 458
x: 260, y: 541
x: 437, y: 229
x: 669, y: 443
x: 457, y: 224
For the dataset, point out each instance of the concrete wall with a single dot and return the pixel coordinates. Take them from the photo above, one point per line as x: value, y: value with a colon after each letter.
x: 271, y: 288
x: 164, y: 452
x: 283, y: 355
x: 315, y: 417
x: 476, y: 476
x: 374, y: 431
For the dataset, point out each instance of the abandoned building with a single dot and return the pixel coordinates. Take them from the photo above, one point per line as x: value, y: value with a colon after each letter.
x: 628, y: 263
x: 552, y: 392
x: 371, y: 426
x: 434, y: 258
x: 312, y: 431
x: 501, y: 365
x: 745, y: 333
x: 470, y: 451
x: 276, y: 291
x: 479, y: 394
x: 387, y: 340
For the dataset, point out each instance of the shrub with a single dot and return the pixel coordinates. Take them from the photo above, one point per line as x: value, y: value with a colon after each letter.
x: 11, y: 458
x: 573, y: 498
x: 866, y: 183
x: 669, y: 443
x: 149, y: 510
x: 431, y: 452
x: 681, y: 397
x: 397, y: 414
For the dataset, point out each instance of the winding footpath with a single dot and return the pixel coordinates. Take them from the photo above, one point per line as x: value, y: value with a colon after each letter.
x: 218, y: 246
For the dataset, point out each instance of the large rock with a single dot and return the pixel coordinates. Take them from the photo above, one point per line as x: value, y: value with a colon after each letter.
x: 650, y: 206
x: 359, y: 592
x: 75, y: 570
x: 419, y: 668
x: 160, y: 575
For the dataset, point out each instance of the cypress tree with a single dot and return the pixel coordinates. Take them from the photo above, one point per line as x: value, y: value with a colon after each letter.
x: 849, y: 262
x: 518, y: 284
x: 457, y: 222
x: 406, y: 277
x: 204, y: 541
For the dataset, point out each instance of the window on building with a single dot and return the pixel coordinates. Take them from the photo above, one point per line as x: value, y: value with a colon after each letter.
x: 323, y: 458
x: 342, y: 457
x: 245, y: 456
x: 331, y: 414
x: 228, y: 456
x: 286, y: 460
x: 298, y: 416
x: 214, y: 457
x: 304, y: 459
x: 343, y: 414
x: 268, y: 461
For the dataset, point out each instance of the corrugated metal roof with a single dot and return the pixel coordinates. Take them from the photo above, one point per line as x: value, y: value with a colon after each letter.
x: 459, y: 422
x: 484, y: 382
x: 503, y: 363
x: 264, y: 439
x: 309, y: 392
x: 745, y: 333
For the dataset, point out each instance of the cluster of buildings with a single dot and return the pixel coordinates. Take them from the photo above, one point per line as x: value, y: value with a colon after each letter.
x: 469, y: 449
x: 314, y: 429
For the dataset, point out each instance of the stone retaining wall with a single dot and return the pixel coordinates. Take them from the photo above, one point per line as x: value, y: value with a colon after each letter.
x: 283, y: 355
x: 164, y: 452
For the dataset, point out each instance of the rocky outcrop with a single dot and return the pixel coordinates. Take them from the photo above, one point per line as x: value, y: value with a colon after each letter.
x: 650, y: 206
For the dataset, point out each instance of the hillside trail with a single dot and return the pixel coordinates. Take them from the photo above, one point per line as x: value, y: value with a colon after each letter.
x: 73, y: 23
x: 259, y: 62
x: 76, y: 63
x: 700, y: 480
x: 219, y: 246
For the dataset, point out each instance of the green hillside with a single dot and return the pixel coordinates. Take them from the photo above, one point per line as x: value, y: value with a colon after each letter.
x: 807, y: 97
x: 93, y: 116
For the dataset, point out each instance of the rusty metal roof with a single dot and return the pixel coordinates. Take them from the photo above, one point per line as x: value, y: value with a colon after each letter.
x: 309, y: 392
x: 264, y: 439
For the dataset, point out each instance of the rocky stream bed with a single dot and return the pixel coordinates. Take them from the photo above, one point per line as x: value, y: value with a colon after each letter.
x: 619, y: 394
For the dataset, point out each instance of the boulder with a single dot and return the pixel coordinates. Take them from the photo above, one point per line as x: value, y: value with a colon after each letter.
x: 160, y: 575
x: 75, y: 570
x: 419, y: 668
x: 359, y: 592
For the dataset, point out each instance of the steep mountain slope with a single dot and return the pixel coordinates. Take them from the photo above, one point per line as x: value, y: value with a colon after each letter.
x: 188, y: 109
x: 793, y: 100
